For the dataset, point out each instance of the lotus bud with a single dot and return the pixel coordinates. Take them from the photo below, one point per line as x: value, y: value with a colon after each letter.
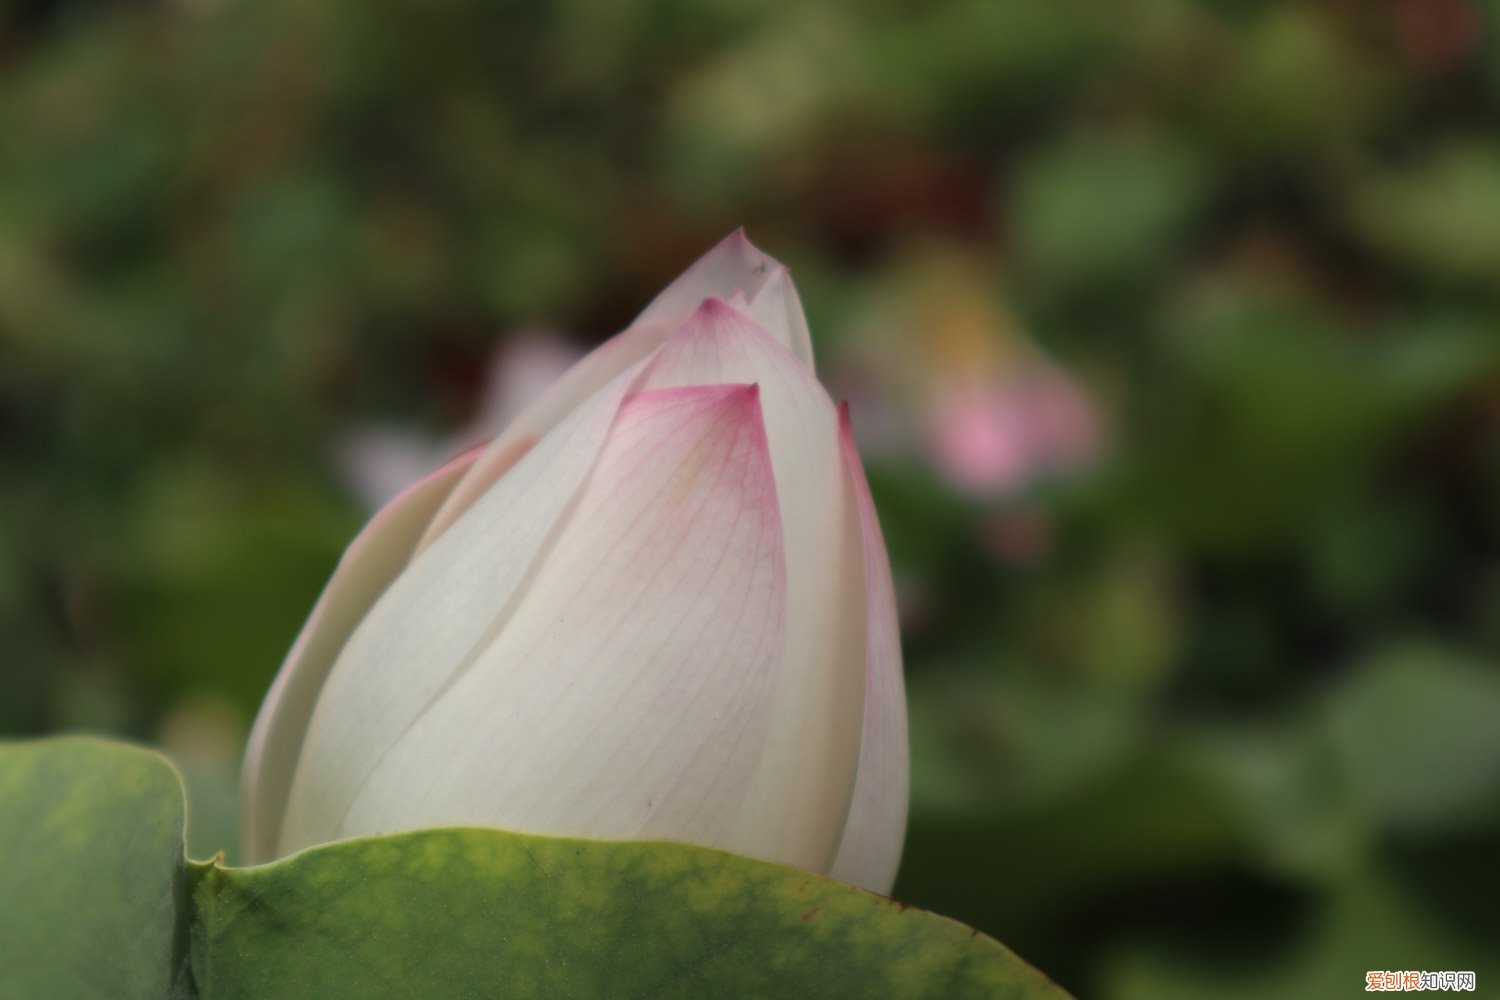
x: 656, y: 606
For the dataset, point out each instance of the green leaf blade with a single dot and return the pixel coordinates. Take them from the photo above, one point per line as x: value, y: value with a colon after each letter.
x: 91, y: 873
x: 99, y: 902
x: 482, y: 913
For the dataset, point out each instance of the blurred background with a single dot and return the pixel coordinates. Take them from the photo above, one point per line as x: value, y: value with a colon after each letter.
x: 1172, y: 337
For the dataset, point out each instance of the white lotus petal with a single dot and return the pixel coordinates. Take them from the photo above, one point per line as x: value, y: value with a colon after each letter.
x: 871, y: 849
x: 370, y: 563
x: 734, y: 265
x: 629, y: 689
x: 777, y: 307
x: 801, y: 793
x: 439, y: 614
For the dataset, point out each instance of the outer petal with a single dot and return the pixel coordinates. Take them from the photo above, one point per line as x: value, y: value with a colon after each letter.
x: 428, y: 626
x: 734, y: 265
x: 627, y: 689
x: 871, y: 848
x: 372, y: 560
x: 777, y: 307
x: 800, y: 796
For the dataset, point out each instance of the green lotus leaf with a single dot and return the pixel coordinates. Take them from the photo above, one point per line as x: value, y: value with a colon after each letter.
x: 93, y: 889
x: 101, y: 903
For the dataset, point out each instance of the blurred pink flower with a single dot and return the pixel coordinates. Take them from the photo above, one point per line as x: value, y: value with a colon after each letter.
x: 992, y: 436
x: 940, y: 373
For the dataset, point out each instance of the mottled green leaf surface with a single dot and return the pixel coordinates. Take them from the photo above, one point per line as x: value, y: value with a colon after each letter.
x: 475, y: 913
x: 107, y: 907
x: 91, y: 871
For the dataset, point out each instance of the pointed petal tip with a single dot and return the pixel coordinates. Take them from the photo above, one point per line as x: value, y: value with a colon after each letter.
x: 777, y: 280
x: 745, y: 395
x: 740, y: 241
x: 736, y: 392
x: 749, y: 395
x: 741, y: 238
x: 717, y: 313
x: 717, y: 397
x: 715, y: 306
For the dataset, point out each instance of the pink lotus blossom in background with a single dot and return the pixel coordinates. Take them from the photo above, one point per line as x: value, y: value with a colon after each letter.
x: 942, y: 375
x: 991, y: 436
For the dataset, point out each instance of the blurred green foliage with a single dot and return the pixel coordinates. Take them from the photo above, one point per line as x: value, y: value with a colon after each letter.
x: 1222, y: 723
